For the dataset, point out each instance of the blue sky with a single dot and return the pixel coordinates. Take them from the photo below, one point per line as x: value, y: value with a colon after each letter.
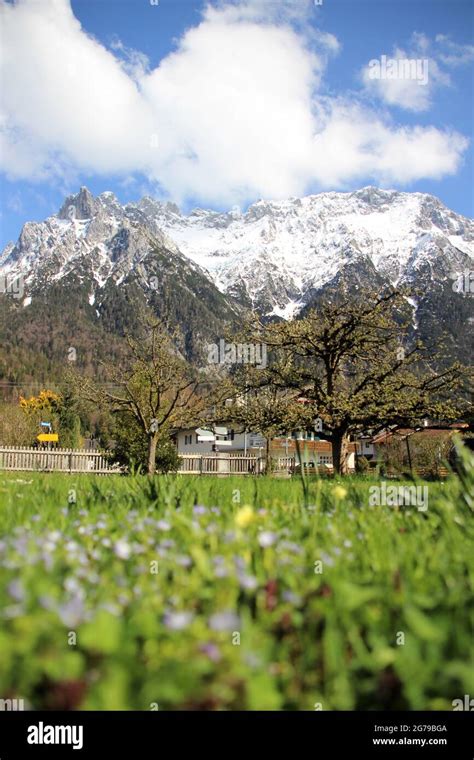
x: 221, y: 103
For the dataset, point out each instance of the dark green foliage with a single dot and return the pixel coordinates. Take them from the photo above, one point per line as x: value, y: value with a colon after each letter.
x: 69, y: 421
x: 35, y: 340
x: 362, y: 464
x: 131, y: 447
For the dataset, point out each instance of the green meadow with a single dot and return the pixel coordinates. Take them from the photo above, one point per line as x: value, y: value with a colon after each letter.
x: 183, y: 593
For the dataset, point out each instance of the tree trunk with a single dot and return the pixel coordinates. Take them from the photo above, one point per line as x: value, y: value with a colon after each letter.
x: 267, y: 457
x: 340, y: 453
x: 152, y: 441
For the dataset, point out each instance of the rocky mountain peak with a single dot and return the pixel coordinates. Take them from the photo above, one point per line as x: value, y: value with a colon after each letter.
x: 83, y: 205
x: 278, y: 257
x: 274, y: 257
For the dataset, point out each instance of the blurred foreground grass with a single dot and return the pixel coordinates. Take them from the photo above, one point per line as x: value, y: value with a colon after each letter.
x: 204, y: 593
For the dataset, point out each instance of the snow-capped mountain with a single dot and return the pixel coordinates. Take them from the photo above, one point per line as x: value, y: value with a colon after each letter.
x: 273, y: 258
x: 95, y: 235
x: 278, y: 253
x: 278, y: 257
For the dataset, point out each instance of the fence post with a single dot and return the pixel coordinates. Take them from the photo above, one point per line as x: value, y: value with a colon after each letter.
x: 25, y: 458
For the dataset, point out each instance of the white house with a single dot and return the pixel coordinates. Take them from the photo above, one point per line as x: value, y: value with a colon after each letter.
x: 313, y: 450
x: 365, y: 447
x: 234, y: 442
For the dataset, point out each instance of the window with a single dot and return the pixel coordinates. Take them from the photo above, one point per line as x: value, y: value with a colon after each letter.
x: 325, y: 459
x: 197, y: 438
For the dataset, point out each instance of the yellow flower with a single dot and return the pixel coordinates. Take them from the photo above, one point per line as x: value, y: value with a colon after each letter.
x: 244, y: 517
x: 339, y: 492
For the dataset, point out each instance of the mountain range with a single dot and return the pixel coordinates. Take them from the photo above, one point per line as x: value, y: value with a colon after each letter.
x: 88, y: 271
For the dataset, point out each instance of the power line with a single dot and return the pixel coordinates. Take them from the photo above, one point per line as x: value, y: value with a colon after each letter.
x: 8, y: 384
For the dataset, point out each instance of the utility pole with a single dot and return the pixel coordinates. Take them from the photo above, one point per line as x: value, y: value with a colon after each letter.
x: 408, y: 450
x: 416, y: 430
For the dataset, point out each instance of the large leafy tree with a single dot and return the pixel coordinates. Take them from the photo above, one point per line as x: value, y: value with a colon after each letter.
x: 16, y: 427
x: 131, y: 446
x: 153, y: 384
x: 348, y: 365
x: 266, y: 409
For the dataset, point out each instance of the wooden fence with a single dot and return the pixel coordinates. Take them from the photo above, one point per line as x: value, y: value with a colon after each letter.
x: 56, y: 460
x: 420, y: 472
x: 221, y: 464
x: 77, y: 461
x: 233, y: 464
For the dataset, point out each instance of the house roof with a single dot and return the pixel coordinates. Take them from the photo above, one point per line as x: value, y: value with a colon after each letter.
x: 322, y: 447
x: 401, y: 433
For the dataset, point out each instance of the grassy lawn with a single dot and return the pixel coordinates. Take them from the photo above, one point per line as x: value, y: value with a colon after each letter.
x: 204, y: 593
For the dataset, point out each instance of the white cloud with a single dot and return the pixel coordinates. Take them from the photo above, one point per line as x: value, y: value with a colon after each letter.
x: 135, y: 63
x: 66, y: 99
x: 415, y: 93
x: 230, y: 115
x: 453, y: 54
x: 355, y: 144
x: 406, y: 78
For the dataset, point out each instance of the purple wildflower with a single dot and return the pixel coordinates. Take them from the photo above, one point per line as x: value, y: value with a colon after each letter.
x: 267, y: 538
x: 211, y: 650
x: 16, y: 590
x: 248, y: 582
x: 224, y: 621
x: 122, y: 549
x: 177, y: 621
